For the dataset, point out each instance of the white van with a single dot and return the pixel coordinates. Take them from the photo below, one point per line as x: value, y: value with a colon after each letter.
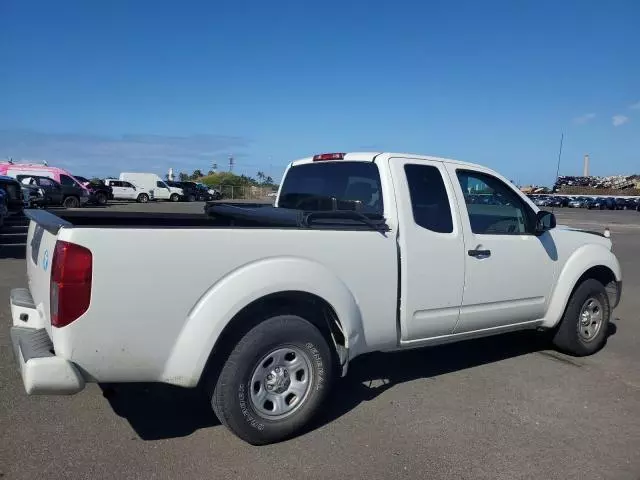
x: 152, y: 183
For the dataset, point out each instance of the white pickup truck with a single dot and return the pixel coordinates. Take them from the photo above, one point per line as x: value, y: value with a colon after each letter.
x: 361, y: 252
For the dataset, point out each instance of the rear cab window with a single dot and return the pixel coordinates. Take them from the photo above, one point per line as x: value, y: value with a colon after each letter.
x: 339, y: 185
x: 429, y: 198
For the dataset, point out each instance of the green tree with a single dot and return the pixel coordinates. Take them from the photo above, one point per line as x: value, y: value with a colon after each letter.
x: 183, y: 177
x: 197, y: 174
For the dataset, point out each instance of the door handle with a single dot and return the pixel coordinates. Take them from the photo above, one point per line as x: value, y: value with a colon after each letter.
x: 480, y: 253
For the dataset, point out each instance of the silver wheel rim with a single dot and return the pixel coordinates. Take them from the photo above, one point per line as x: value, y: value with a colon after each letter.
x: 280, y: 382
x: 590, y: 319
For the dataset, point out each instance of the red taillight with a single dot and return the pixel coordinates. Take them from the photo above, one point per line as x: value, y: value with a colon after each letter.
x: 71, y: 269
x: 328, y: 156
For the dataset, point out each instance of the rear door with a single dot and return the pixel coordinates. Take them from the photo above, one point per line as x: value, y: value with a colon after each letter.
x: 509, y: 270
x: 116, y: 187
x: 52, y: 189
x: 128, y: 191
x: 431, y: 245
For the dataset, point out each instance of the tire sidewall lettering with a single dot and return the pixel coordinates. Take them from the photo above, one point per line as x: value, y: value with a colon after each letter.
x: 244, y: 408
x: 317, y: 360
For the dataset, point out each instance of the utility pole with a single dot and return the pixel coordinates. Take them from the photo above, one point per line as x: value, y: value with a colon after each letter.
x: 230, y: 163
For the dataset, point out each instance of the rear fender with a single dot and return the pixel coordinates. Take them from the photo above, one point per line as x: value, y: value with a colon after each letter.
x: 584, y: 258
x: 236, y: 290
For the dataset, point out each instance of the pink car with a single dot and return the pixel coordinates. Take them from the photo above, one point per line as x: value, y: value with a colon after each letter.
x: 58, y: 174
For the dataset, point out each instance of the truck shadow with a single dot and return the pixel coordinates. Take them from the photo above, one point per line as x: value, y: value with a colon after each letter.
x: 158, y: 411
x: 373, y: 374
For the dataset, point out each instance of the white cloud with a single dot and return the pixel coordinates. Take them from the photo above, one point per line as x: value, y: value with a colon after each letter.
x: 619, y: 120
x: 582, y: 119
x: 635, y: 106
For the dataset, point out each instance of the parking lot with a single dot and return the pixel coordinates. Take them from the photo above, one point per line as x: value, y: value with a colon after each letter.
x: 504, y: 407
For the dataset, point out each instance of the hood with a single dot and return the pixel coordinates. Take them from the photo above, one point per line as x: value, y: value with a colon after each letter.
x: 176, y: 190
x: 586, y: 235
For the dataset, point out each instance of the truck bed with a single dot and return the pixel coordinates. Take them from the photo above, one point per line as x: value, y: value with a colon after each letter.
x: 216, y: 216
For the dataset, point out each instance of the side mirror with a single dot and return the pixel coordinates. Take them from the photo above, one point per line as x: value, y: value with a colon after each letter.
x: 544, y: 221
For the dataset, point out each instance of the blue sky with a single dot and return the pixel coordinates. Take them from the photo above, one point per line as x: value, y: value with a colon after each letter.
x: 103, y: 86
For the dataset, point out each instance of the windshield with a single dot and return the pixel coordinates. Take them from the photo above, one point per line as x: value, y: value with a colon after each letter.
x: 333, y: 186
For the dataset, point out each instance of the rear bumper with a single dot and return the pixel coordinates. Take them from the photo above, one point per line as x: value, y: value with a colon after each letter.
x: 42, y: 371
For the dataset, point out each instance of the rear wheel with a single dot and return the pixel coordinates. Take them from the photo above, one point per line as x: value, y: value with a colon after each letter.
x: 143, y: 198
x: 101, y: 198
x: 71, y: 202
x: 191, y: 198
x: 583, y: 328
x: 274, y: 381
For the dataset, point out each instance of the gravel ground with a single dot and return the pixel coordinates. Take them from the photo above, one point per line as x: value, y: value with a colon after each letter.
x: 498, y: 408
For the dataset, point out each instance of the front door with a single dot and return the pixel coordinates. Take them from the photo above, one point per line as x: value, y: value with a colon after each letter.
x: 162, y: 191
x: 431, y: 249
x: 509, y: 271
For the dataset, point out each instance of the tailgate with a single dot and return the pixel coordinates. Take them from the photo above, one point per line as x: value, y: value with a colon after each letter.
x: 41, y: 242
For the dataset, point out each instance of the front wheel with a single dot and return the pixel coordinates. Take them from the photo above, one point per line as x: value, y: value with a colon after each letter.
x: 101, y: 198
x: 143, y: 198
x: 274, y: 381
x: 174, y: 197
x: 71, y: 202
x: 583, y: 328
x: 191, y: 198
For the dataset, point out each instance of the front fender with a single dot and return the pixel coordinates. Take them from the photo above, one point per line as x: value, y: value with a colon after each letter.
x: 584, y: 258
x: 239, y: 288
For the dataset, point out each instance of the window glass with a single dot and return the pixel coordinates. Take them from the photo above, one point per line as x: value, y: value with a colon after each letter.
x: 125, y: 184
x: 67, y: 181
x: 160, y: 184
x: 46, y: 182
x: 493, y: 207
x: 333, y: 186
x: 429, y: 199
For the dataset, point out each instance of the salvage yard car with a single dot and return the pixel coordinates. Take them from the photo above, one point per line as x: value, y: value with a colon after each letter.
x: 360, y: 252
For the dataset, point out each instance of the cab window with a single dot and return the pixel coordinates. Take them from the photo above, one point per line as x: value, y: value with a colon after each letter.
x: 493, y: 207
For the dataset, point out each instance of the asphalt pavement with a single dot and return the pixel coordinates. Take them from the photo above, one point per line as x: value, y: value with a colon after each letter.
x: 498, y: 408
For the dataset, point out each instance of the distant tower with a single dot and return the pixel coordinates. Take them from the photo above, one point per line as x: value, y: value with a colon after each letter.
x: 585, y: 172
x: 231, y: 163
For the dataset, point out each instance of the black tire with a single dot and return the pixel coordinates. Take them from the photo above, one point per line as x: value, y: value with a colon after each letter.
x: 71, y: 202
x: 174, y: 197
x: 143, y: 198
x: 191, y: 198
x: 101, y: 198
x: 567, y: 337
x: 231, y: 396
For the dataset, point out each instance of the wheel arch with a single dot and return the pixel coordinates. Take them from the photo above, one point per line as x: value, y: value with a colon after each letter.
x: 242, y: 299
x: 589, y: 261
